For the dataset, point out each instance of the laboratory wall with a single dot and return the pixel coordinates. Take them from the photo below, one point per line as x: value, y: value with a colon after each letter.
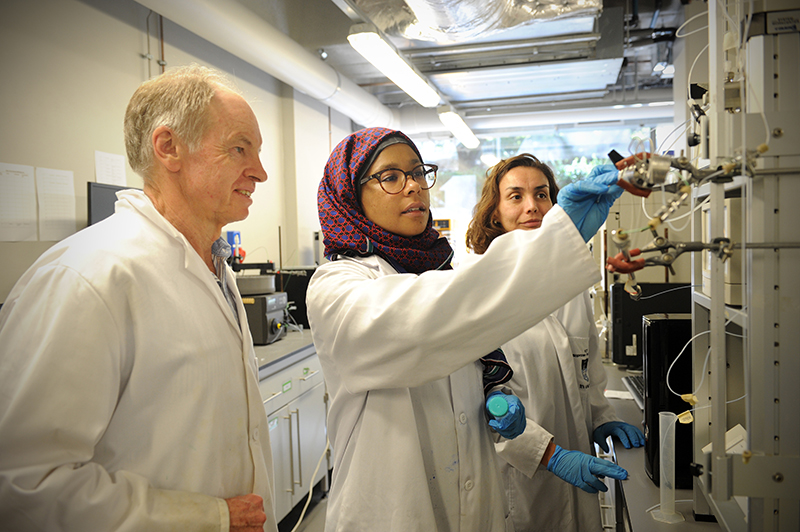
x: 68, y: 69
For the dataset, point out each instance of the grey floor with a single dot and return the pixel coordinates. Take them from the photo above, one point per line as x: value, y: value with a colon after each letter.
x: 314, y: 520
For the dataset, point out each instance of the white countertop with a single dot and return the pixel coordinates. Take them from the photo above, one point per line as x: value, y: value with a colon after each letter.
x: 640, y: 492
x: 293, y: 347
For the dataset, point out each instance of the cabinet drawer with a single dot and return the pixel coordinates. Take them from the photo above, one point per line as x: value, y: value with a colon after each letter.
x: 308, y: 373
x: 277, y: 390
x: 286, y: 385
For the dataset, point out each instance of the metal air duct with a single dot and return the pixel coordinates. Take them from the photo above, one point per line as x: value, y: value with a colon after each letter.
x: 456, y: 21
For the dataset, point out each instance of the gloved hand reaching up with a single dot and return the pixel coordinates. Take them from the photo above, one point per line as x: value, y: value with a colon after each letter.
x: 588, y: 201
x: 627, y: 434
x: 582, y: 470
x: 511, y: 423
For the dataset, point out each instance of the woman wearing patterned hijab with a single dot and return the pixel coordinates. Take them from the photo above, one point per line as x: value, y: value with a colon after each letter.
x: 348, y: 231
x: 399, y: 335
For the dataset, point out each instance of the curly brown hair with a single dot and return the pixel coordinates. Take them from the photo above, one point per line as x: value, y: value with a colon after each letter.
x: 482, y: 231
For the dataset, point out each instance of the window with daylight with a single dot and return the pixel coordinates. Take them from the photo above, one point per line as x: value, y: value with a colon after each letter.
x: 570, y: 152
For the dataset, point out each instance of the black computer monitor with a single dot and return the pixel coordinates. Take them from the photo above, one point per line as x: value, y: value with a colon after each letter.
x: 665, y: 336
x: 100, y: 200
x: 626, y: 316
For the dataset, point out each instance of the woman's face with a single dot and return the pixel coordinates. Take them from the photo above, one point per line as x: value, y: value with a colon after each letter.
x: 524, y: 199
x: 406, y: 213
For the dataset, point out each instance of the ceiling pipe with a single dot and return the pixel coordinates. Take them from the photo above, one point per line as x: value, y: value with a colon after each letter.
x: 496, y: 46
x: 583, y: 117
x: 239, y: 31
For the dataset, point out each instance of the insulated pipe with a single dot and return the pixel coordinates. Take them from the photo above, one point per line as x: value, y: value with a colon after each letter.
x: 417, y: 120
x: 236, y: 29
x: 568, y: 116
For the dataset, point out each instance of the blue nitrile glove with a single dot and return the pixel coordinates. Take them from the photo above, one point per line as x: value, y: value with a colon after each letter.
x: 582, y: 470
x: 627, y: 434
x: 588, y: 201
x: 512, y: 424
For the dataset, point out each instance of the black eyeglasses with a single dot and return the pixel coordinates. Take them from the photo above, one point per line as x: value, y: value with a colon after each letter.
x: 393, y: 180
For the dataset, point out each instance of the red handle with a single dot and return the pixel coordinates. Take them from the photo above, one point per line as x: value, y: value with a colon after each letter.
x: 626, y: 162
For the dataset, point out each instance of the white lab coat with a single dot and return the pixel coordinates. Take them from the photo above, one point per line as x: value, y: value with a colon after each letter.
x: 128, y: 391
x: 559, y: 377
x: 412, y: 447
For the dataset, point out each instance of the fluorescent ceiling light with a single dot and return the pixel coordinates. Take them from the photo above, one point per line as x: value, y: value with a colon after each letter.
x: 660, y: 104
x: 458, y: 127
x: 367, y: 42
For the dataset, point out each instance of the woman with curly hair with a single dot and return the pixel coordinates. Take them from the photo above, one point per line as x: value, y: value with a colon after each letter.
x: 558, y: 373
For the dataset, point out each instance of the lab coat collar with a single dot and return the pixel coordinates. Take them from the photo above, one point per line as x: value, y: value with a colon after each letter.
x: 138, y: 201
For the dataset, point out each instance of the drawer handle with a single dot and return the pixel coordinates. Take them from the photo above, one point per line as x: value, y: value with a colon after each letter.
x: 309, y: 375
x: 291, y: 455
x: 273, y: 396
x: 299, y: 454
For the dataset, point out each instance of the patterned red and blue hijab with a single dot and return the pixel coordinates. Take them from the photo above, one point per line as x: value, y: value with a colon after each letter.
x: 345, y: 226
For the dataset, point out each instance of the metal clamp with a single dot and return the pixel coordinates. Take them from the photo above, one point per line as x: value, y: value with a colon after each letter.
x: 669, y: 251
x: 622, y: 241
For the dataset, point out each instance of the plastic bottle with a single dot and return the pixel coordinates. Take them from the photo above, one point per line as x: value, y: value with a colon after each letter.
x: 497, y: 406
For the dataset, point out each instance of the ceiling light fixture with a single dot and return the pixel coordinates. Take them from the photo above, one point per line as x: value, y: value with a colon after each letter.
x: 453, y: 121
x: 369, y: 43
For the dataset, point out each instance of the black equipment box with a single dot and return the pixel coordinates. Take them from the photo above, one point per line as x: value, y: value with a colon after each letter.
x: 665, y: 335
x: 266, y: 316
x: 626, y: 316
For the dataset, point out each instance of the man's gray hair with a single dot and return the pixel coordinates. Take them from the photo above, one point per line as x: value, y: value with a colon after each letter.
x: 178, y: 99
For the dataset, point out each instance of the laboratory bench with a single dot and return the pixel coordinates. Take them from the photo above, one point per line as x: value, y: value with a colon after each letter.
x: 638, y: 492
x: 293, y: 393
x: 292, y: 348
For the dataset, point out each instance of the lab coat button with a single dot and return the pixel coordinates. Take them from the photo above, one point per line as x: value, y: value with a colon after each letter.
x: 463, y: 418
x: 468, y: 485
x: 255, y: 434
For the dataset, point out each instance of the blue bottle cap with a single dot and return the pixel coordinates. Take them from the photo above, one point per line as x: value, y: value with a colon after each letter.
x: 497, y: 406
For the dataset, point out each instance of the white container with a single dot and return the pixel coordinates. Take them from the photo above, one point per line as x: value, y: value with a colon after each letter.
x: 666, y: 511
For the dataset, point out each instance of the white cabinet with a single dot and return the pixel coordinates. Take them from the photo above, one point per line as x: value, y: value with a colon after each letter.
x: 294, y: 400
x: 297, y: 435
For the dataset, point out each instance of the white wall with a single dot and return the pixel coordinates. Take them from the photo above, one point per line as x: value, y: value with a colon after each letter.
x: 69, y: 68
x: 312, y: 124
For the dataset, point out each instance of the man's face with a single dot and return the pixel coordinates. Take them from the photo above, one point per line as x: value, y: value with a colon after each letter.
x: 222, y: 173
